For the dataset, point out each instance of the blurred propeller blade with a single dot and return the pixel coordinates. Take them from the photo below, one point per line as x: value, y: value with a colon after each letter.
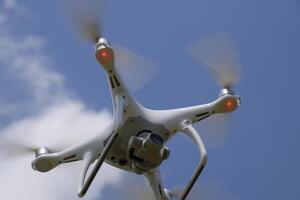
x: 86, y: 16
x: 218, y: 54
x: 133, y: 187
x: 215, y: 129
x: 176, y: 193
x: 136, y: 71
x: 138, y: 193
x: 11, y: 148
x: 203, y: 191
x: 14, y: 148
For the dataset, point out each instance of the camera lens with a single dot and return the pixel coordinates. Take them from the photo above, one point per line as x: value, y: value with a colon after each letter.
x: 156, y: 139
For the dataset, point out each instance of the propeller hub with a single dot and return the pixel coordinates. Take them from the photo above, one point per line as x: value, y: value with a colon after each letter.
x: 226, y: 91
x: 102, y: 41
x: 42, y: 150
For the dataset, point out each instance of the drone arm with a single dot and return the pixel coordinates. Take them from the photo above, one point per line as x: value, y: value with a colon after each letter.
x: 224, y: 104
x: 155, y: 181
x: 118, y: 120
x: 189, y: 130
x: 120, y: 105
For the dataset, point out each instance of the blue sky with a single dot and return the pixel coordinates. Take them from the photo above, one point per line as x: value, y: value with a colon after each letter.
x: 260, y: 155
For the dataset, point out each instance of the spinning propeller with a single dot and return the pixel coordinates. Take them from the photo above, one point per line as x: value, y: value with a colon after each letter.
x: 218, y: 54
x: 13, y: 148
x: 205, y: 191
x: 136, y: 70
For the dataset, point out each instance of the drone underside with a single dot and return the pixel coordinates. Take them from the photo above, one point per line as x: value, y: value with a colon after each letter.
x: 136, y: 139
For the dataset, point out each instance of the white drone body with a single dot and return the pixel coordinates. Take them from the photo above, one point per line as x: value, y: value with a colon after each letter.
x: 136, y: 140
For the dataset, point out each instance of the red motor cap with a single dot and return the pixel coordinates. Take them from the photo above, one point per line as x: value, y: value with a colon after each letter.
x: 230, y: 104
x: 105, y: 56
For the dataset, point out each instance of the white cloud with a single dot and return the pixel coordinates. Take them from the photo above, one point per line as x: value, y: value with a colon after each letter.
x: 69, y: 121
x: 53, y: 115
x: 23, y: 61
x: 13, y: 5
x: 9, y: 4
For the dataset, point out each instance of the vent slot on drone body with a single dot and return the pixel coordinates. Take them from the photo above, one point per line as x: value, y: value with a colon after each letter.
x: 112, y: 82
x: 117, y: 81
x: 202, y: 114
x: 198, y: 120
x: 70, y: 157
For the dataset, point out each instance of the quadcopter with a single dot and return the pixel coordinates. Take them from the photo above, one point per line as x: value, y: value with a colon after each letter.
x: 136, y: 140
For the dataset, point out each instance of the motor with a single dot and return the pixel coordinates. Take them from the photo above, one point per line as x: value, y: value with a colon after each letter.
x: 42, y: 164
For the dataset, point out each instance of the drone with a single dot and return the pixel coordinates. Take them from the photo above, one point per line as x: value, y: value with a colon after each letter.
x: 136, y: 140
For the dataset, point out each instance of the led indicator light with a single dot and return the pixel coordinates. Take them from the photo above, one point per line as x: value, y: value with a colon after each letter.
x: 104, y: 56
x: 230, y: 104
